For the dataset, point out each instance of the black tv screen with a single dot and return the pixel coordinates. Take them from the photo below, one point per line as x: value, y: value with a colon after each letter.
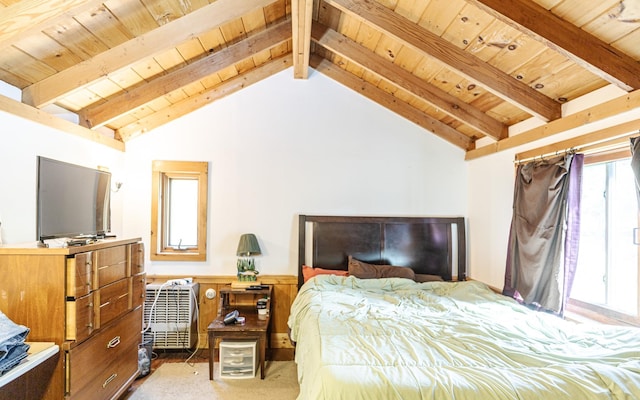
x: 72, y: 200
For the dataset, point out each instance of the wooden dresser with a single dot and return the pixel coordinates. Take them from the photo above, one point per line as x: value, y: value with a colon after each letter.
x: 86, y: 299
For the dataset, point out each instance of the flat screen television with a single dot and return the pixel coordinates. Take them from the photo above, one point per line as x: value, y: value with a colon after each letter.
x: 73, y: 201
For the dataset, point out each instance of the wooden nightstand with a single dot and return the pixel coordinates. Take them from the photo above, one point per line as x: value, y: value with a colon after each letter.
x: 255, y: 326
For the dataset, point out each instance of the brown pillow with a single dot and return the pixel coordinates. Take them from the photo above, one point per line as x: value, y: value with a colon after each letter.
x: 364, y: 270
x: 428, y: 278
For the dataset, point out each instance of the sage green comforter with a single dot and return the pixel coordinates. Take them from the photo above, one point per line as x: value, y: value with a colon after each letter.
x: 397, y: 339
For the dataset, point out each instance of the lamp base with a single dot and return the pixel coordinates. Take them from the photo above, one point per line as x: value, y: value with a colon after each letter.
x: 243, y: 284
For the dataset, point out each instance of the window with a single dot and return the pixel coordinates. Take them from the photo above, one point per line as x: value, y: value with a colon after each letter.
x: 179, y: 211
x: 606, y: 280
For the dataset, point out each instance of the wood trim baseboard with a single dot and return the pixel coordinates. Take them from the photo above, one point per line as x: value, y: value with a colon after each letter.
x: 226, y: 279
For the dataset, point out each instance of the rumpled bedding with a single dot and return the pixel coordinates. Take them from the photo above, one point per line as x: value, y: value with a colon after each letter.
x: 13, y: 348
x: 397, y: 339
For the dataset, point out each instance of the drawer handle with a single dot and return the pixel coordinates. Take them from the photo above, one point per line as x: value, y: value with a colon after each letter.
x: 109, y: 379
x: 113, y: 342
x: 89, y: 325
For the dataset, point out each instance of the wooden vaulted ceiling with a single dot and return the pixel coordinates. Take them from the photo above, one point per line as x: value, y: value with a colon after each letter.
x: 465, y: 70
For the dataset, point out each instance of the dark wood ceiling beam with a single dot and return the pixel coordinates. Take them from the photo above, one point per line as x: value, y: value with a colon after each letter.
x: 447, y: 103
x: 301, y: 13
x: 387, y: 100
x: 121, y: 104
x: 170, y: 35
x: 471, y: 67
x: 195, y: 102
x: 584, y: 49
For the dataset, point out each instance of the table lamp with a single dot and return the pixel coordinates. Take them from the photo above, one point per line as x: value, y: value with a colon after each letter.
x: 247, y: 274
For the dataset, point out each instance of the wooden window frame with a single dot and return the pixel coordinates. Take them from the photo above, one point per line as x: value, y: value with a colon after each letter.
x: 162, y: 172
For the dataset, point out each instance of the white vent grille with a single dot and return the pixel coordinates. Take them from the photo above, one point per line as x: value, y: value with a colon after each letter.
x: 170, y: 315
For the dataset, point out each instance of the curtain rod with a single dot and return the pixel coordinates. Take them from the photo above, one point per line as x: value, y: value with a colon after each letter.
x: 589, y: 148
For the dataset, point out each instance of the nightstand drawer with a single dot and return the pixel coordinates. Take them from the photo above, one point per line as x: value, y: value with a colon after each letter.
x: 238, y: 359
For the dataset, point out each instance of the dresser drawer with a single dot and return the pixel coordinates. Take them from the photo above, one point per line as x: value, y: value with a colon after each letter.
x: 98, y: 367
x: 80, y: 274
x: 80, y: 318
x: 113, y: 300
x: 138, y: 290
x: 110, y: 265
x: 136, y: 258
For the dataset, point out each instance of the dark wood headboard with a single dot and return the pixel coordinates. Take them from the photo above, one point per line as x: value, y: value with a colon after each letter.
x: 425, y: 244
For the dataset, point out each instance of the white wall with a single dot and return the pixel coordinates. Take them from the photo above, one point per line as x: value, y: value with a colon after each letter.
x: 22, y: 141
x: 277, y: 149
x: 491, y: 180
x: 284, y: 147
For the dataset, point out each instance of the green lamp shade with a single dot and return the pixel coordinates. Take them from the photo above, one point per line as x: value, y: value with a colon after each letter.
x: 248, y: 245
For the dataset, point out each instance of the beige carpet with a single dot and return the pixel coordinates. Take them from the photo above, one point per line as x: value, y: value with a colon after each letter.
x: 181, y: 381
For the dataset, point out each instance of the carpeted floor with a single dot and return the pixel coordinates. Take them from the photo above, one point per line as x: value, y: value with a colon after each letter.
x: 182, y: 381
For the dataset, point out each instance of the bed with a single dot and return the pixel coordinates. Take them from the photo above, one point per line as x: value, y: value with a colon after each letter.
x: 438, y: 338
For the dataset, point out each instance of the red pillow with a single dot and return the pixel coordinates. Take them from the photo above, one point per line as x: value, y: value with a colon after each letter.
x: 310, y: 272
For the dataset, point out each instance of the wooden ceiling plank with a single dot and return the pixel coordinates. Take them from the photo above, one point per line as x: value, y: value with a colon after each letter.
x: 446, y: 102
x: 166, y: 11
x: 170, y: 59
x: 254, y: 21
x: 101, y: 23
x: 135, y: 17
x: 24, y: 66
x: 77, y: 39
x: 611, y: 108
x: 191, y: 49
x: 391, y: 102
x: 233, y: 31
x: 466, y: 27
x: 586, y: 50
x: 43, y: 47
x: 275, y: 11
x: 224, y: 89
x: 439, y: 14
x: 301, y: 13
x: 147, y: 45
x: 472, y: 68
x: 31, y: 16
x: 121, y: 104
x: 33, y: 114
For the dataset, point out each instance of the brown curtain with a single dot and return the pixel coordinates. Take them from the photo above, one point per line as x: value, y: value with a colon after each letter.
x: 635, y: 162
x: 539, y: 249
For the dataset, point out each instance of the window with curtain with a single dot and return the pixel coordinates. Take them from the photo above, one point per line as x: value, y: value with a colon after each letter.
x: 607, y: 275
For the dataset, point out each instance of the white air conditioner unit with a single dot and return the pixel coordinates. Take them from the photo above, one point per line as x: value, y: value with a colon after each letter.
x: 171, y: 315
